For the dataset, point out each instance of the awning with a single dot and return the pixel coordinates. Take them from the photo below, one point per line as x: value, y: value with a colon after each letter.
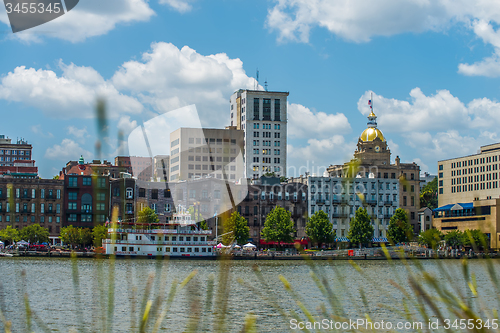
x: 342, y: 239
x: 379, y: 240
x: 457, y: 206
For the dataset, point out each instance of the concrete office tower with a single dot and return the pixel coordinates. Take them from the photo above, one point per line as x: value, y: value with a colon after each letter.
x: 262, y: 115
x: 200, y: 153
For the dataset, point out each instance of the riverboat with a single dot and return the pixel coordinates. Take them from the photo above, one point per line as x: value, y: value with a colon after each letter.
x: 179, y: 237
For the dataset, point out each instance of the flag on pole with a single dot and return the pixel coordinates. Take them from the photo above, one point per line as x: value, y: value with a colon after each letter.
x: 370, y: 103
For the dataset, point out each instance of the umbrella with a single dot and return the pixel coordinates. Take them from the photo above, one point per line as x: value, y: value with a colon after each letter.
x: 220, y: 246
x: 237, y: 246
x: 249, y: 245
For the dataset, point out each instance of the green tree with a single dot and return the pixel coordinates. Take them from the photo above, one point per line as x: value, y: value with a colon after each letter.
x: 203, y: 225
x: 430, y: 238
x: 99, y: 233
x: 70, y: 235
x: 10, y: 235
x: 454, y: 238
x: 278, y: 226
x: 360, y: 230
x: 319, y: 228
x: 428, y: 195
x: 35, y: 234
x: 239, y: 227
x: 147, y: 216
x: 399, y: 229
x: 86, y: 236
x: 474, y: 237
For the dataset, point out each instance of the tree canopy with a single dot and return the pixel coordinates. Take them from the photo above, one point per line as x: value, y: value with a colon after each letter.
x: 147, y: 216
x: 360, y: 230
x: 474, y: 238
x: 428, y: 195
x: 430, y: 238
x: 235, y: 229
x: 10, y: 235
x: 319, y: 228
x: 453, y: 238
x: 35, y: 234
x: 70, y: 235
x: 400, y: 229
x: 278, y: 226
x: 99, y: 233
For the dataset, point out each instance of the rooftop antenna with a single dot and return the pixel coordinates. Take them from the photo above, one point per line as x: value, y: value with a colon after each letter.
x: 265, y: 84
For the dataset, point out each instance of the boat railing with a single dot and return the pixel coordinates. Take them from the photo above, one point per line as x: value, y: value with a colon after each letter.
x: 159, y: 243
x: 160, y: 231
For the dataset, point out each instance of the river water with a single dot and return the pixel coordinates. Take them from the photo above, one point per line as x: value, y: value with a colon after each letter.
x: 65, y: 294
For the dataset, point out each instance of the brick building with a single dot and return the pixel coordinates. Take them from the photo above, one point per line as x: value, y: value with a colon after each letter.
x: 25, y: 202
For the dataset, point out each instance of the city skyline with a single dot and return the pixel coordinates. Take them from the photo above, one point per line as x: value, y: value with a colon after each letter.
x: 433, y: 76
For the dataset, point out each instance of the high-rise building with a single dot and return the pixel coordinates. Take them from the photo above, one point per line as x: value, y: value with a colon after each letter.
x: 137, y: 166
x: 199, y: 153
x: 469, y: 193
x: 262, y: 115
x: 372, y: 159
x: 161, y: 168
x: 16, y: 159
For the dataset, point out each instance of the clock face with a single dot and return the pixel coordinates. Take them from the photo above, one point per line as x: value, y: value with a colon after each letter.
x: 377, y: 149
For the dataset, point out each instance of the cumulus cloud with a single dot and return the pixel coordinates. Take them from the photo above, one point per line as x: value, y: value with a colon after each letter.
x: 68, y: 149
x: 431, y: 112
x: 79, y: 133
x: 359, y: 21
x: 37, y: 129
x: 70, y: 95
x: 168, y: 78
x: 89, y: 18
x: 126, y: 125
x: 304, y: 123
x: 182, y: 6
x: 318, y: 154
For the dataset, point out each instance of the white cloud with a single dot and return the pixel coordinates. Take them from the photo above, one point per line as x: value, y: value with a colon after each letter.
x: 182, y: 6
x: 318, y: 155
x: 304, y: 123
x: 37, y: 129
x: 169, y: 78
x: 76, y: 132
x: 70, y: 95
x: 359, y: 21
x: 89, y: 18
x: 431, y: 113
x: 68, y: 149
x: 126, y: 125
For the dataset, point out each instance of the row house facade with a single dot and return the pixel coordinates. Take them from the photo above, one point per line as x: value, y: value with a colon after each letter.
x: 24, y: 202
x: 264, y: 197
x: 340, y: 197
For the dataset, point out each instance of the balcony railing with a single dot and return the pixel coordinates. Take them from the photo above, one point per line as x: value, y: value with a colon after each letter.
x: 388, y: 203
x: 387, y: 216
x: 340, y: 215
x: 371, y: 202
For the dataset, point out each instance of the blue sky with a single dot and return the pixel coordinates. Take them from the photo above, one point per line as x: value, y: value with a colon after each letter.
x: 433, y: 68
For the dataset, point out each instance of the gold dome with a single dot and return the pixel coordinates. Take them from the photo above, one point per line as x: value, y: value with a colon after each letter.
x: 370, y: 134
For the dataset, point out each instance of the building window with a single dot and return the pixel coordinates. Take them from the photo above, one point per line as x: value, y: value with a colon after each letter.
x: 129, y: 193
x: 154, y: 194
x: 72, y: 182
x: 277, y: 111
x: 87, y: 181
x: 142, y: 192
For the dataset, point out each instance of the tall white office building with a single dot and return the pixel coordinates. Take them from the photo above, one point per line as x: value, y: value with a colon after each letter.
x: 262, y: 115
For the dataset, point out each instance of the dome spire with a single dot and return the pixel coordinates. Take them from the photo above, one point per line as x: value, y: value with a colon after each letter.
x: 372, y: 118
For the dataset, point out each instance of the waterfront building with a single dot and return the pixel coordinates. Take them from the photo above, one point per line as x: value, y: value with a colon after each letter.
x: 262, y: 116
x: 86, y: 193
x: 468, y: 193
x: 24, y: 202
x: 137, y: 166
x: 16, y: 159
x: 158, y: 197
x: 201, y: 153
x: 340, y: 197
x: 267, y: 193
x: 161, y: 168
x: 426, y: 178
x: 372, y: 158
x: 425, y: 218
x: 123, y: 197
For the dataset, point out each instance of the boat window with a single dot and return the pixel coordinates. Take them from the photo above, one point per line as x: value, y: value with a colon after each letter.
x: 195, y: 239
x: 209, y: 250
x: 182, y: 249
x: 131, y: 248
x: 196, y: 249
x: 167, y: 249
x: 152, y: 238
x: 202, y: 239
x: 174, y: 239
x: 190, y: 249
x: 181, y: 238
x: 203, y: 249
x: 188, y: 239
x: 175, y: 249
